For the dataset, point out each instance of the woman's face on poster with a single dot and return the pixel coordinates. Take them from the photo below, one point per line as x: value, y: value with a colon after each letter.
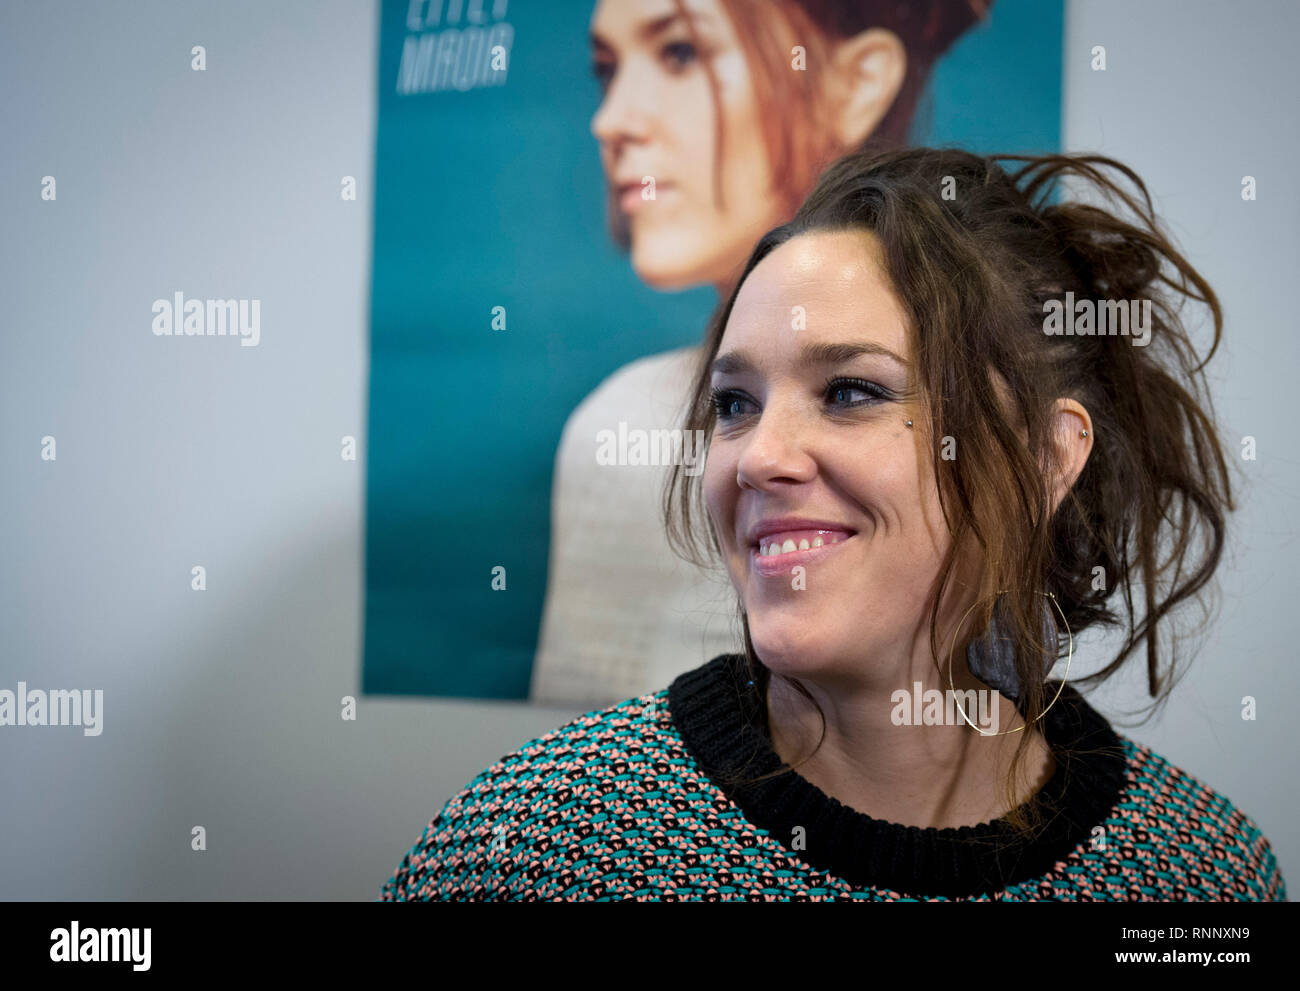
x: 656, y: 127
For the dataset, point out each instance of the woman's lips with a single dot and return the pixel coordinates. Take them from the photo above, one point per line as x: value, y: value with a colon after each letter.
x: 770, y: 565
x: 631, y: 198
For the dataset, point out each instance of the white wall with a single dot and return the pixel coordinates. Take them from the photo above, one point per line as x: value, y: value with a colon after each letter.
x: 1195, y: 96
x: 222, y: 708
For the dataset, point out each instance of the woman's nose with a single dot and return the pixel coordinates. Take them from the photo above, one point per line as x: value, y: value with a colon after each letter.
x: 625, y: 112
x: 775, y: 451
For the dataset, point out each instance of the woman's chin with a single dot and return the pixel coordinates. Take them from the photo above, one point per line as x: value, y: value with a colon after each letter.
x: 669, y: 276
x: 666, y: 264
x: 788, y: 652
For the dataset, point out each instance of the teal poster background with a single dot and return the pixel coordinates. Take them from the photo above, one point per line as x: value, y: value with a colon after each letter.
x: 493, y: 197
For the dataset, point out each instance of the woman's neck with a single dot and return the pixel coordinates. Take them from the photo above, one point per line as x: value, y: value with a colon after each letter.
x: 929, y: 775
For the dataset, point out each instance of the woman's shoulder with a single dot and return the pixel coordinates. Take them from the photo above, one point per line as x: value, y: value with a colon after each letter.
x: 504, y: 830
x: 1192, y: 832
x: 544, y: 768
x: 647, y: 390
x: 665, y: 369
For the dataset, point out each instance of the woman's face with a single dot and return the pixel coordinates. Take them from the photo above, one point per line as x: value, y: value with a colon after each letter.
x: 657, y: 119
x: 812, y: 439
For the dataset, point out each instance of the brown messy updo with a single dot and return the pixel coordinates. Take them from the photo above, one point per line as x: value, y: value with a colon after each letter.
x: 973, y: 270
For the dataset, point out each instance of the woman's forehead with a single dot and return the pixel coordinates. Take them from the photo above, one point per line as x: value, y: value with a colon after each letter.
x: 820, y: 287
x: 643, y: 21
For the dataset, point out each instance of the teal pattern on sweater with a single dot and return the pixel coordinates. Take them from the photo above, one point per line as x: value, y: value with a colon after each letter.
x: 613, y: 805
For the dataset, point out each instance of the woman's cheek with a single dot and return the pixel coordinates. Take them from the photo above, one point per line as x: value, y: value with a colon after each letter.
x: 716, y: 498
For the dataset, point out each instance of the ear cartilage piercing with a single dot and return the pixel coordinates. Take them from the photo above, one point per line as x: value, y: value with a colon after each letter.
x: 1083, y: 433
x: 909, y: 423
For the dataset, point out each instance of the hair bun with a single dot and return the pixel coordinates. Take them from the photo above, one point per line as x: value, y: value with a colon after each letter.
x: 926, y: 27
x: 1109, y: 258
x: 945, y: 22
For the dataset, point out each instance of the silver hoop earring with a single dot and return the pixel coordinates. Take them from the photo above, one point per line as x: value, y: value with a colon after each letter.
x: 990, y: 657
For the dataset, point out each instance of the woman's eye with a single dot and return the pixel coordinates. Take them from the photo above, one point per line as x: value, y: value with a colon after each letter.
x: 839, y: 393
x: 727, y: 403
x: 603, y: 72
x: 679, y: 54
x: 854, y: 392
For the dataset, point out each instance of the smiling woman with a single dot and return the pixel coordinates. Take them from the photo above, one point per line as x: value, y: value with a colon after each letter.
x: 908, y: 482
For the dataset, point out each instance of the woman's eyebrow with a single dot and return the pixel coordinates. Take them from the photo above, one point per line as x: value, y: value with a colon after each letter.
x: 811, y: 355
x: 649, y: 30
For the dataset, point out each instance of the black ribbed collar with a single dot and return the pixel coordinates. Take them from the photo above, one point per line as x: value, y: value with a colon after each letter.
x: 723, y: 721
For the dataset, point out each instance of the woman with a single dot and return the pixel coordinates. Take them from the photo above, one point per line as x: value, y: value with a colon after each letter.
x: 731, y: 108
x: 922, y: 493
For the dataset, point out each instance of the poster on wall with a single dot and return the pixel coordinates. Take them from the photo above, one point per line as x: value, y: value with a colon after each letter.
x: 564, y: 190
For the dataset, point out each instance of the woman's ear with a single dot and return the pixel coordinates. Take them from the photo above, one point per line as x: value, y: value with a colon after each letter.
x: 1073, y: 438
x: 866, y: 74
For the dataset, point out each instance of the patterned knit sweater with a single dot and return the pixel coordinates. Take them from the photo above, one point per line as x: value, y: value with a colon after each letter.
x: 640, y: 801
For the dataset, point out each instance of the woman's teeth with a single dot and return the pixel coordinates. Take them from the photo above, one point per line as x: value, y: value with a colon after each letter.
x: 771, y: 546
